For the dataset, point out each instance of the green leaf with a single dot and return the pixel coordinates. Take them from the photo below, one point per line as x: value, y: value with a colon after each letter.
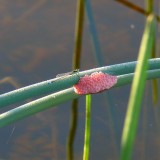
x: 134, y: 105
x: 87, y: 128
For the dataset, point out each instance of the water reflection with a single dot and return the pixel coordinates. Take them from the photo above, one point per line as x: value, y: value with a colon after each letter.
x: 10, y: 80
x: 31, y: 59
x: 36, y: 43
x: 37, y: 141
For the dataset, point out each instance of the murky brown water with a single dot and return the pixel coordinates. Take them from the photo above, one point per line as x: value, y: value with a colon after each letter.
x: 36, y: 44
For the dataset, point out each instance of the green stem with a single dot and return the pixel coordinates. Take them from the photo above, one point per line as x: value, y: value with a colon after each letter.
x: 78, y: 34
x: 76, y: 65
x: 57, y: 84
x: 87, y: 128
x: 149, y: 6
x: 134, y: 105
x: 55, y: 99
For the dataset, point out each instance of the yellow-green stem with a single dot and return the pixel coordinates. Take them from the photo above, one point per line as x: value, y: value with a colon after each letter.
x: 87, y: 128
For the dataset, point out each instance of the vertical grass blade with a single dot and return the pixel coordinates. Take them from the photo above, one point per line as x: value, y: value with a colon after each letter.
x: 149, y: 6
x: 87, y: 128
x: 78, y: 35
x: 76, y: 65
x: 150, y: 9
x: 134, y: 105
x: 154, y: 81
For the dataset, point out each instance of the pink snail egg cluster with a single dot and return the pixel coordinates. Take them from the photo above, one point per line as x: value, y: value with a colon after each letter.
x: 94, y: 83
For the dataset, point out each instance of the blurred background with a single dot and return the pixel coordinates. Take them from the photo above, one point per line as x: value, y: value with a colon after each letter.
x: 36, y: 44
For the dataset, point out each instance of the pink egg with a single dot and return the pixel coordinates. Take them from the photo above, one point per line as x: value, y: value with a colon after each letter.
x: 94, y: 83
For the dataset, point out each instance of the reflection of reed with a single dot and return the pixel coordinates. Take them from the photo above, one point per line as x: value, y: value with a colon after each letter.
x: 38, y: 141
x: 11, y: 81
x: 132, y: 6
x: 108, y: 97
x: 30, y: 11
x: 136, y: 8
x: 38, y: 57
x: 30, y: 56
x: 34, y: 7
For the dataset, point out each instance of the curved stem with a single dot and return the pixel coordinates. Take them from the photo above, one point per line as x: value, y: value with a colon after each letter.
x: 64, y: 82
x: 55, y: 99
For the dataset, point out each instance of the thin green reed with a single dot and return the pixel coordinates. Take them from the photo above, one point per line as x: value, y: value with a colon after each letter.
x: 149, y: 6
x: 150, y: 9
x: 86, y: 149
x: 134, y: 105
x: 154, y: 84
x: 76, y: 65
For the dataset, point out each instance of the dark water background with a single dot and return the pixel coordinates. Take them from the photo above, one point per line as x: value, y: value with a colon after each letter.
x: 36, y: 44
